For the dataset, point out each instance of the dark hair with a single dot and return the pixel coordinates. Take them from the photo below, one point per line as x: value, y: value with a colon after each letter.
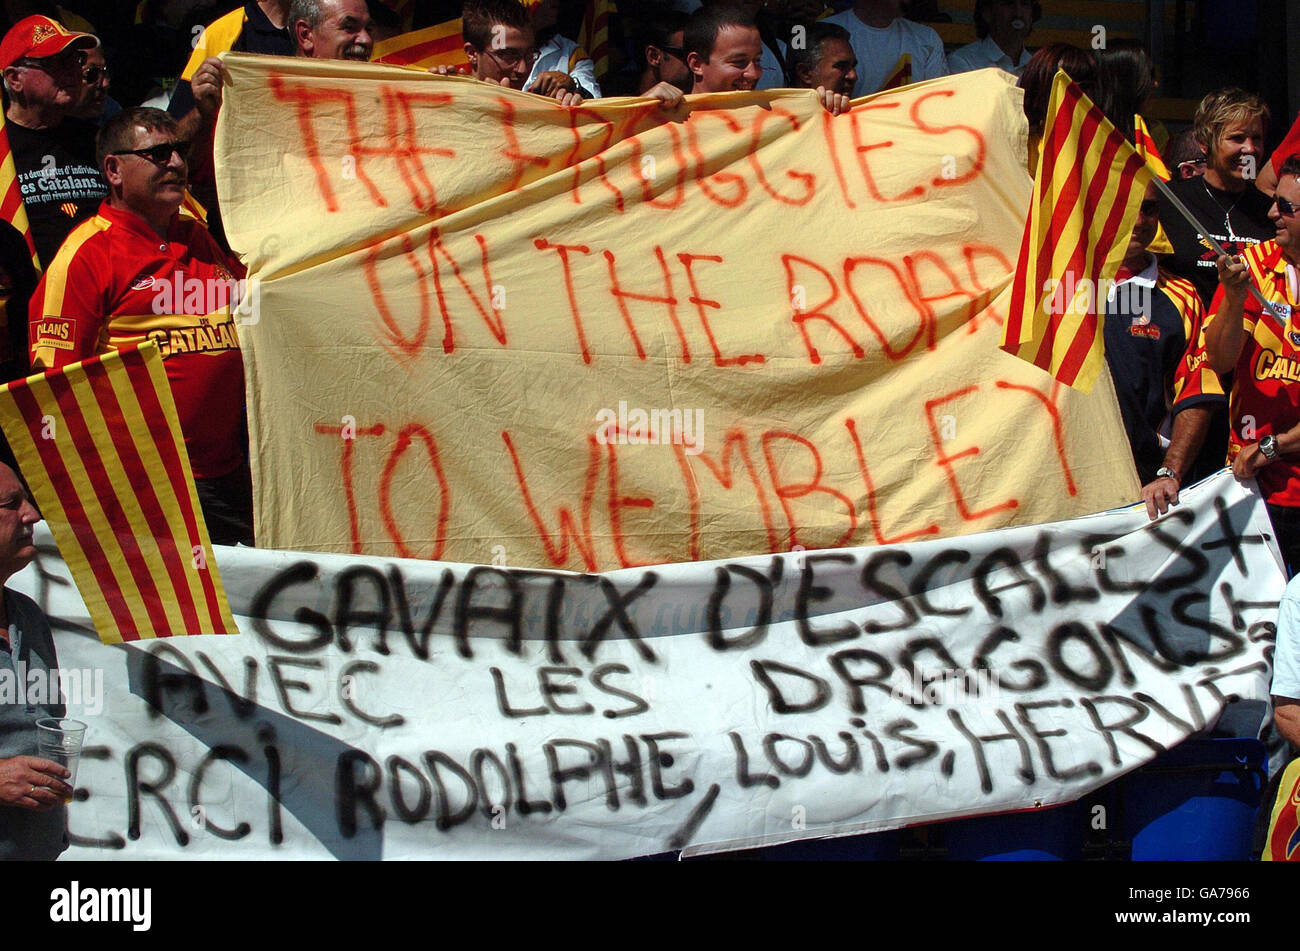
x: 1290, y: 167
x: 1036, y: 79
x: 654, y: 28
x: 705, y: 24
x: 982, y: 24
x: 118, y: 133
x: 479, y: 16
x: 817, y: 36
x: 1181, y: 148
x: 1126, y: 78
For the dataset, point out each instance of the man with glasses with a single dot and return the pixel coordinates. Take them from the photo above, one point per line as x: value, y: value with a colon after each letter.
x: 499, y: 43
x: 95, y: 105
x: 42, y: 65
x: 662, y: 52
x: 1263, y: 346
x: 139, y: 270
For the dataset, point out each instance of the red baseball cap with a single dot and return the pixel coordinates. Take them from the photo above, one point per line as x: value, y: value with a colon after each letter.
x: 37, y: 37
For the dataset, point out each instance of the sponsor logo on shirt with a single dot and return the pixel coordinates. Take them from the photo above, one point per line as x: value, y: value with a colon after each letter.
x: 142, y: 283
x: 57, y: 332
x: 203, y: 337
x: 1270, y: 366
x: 1150, y: 331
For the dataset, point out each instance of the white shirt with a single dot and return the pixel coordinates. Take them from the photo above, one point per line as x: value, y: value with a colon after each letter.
x: 555, y: 55
x: 984, y: 53
x: 879, y: 51
x: 1286, y: 658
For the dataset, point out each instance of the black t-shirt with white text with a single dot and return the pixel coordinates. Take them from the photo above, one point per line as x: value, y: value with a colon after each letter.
x: 1193, y: 258
x: 61, y: 186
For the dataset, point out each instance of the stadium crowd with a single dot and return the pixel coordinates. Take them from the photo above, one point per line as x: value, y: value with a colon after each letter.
x: 110, y: 128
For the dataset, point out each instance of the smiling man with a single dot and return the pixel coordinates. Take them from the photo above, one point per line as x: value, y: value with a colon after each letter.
x: 724, y: 53
x: 140, y: 270
x: 332, y: 29
x: 33, y: 819
x: 1263, y: 347
x: 826, y: 60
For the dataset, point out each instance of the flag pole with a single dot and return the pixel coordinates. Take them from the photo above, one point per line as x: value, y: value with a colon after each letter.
x: 1214, y: 245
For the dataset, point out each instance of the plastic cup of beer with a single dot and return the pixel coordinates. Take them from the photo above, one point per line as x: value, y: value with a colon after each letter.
x: 59, y: 740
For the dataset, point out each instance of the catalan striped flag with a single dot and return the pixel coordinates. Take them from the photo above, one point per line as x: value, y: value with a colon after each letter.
x: 1146, y: 147
x: 900, y: 75
x: 1087, y: 190
x: 594, y: 34
x: 12, y: 208
x: 439, y: 45
x: 100, y: 445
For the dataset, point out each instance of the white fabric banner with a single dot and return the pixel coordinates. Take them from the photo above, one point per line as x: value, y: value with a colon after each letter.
x: 384, y: 708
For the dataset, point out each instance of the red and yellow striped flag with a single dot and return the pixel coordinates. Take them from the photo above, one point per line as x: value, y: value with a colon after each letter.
x: 100, y: 445
x: 12, y: 208
x: 594, y: 34
x: 440, y: 45
x: 1089, y: 185
x: 900, y: 75
x: 1146, y: 147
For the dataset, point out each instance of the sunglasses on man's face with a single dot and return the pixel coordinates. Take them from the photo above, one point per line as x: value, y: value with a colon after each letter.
x: 57, y: 65
x: 161, y: 153
x: 92, y: 74
x: 678, y: 51
x: 1285, y: 208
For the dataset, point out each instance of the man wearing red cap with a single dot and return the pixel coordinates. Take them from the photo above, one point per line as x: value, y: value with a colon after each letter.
x: 55, y: 160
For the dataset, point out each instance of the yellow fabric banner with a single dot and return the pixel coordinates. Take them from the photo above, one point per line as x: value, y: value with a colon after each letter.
x: 487, y: 328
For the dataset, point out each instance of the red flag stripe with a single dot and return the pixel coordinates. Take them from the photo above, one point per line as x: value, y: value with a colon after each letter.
x: 133, y: 360
x: 1080, y: 257
x: 118, y: 522
x: 413, y: 54
x: 1078, y: 352
x: 1015, y: 314
x: 150, y: 504
x: 71, y: 503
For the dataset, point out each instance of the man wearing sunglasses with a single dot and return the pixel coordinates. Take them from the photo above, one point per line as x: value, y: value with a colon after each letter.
x: 660, y: 42
x: 61, y: 186
x: 139, y: 270
x: 95, y: 104
x: 1263, y: 347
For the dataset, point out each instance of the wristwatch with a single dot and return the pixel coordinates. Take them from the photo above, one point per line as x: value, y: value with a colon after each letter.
x: 1268, y: 446
x: 1164, y: 472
